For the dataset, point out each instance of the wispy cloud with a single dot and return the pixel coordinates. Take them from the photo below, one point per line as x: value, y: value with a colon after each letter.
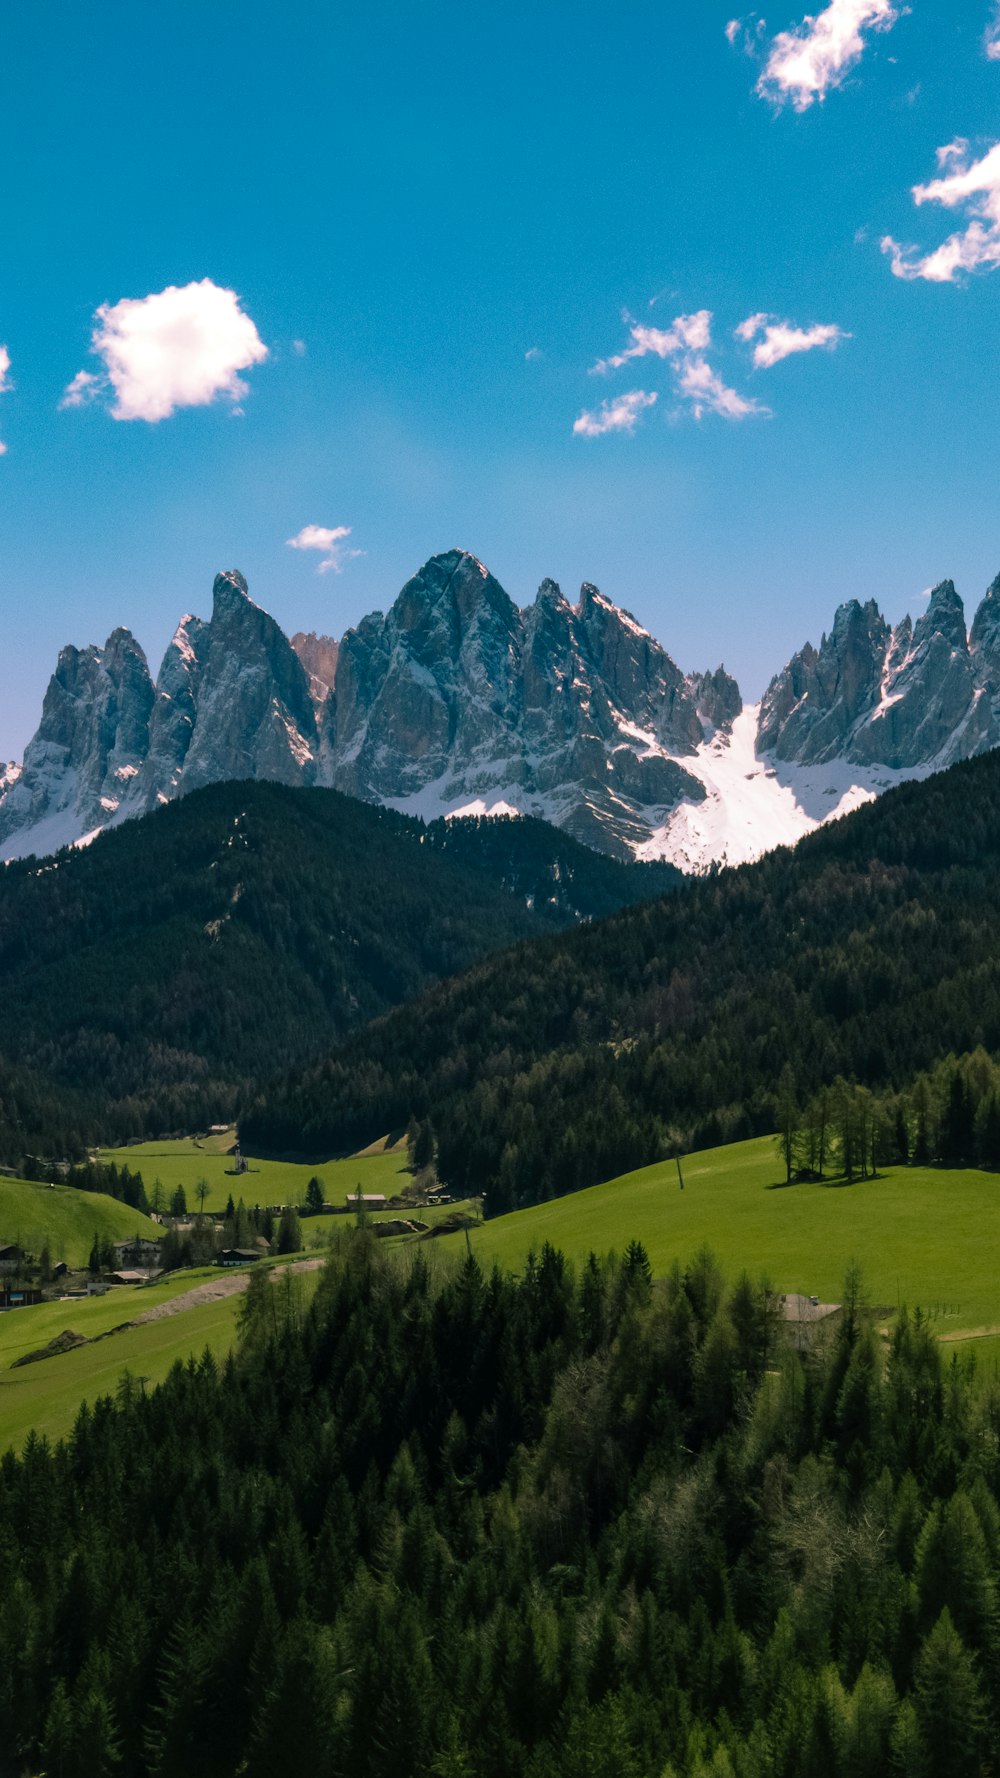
x: 5, y: 384
x: 779, y: 339
x: 963, y: 184
x: 814, y: 58
x: 179, y: 347
x: 532, y: 353
x: 708, y: 394
x: 686, y: 333
x: 618, y: 415
x: 330, y: 541
x: 683, y: 345
x: 991, y: 36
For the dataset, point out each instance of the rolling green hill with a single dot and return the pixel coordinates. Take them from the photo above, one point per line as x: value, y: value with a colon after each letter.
x: 146, y: 979
x: 871, y: 950
x: 67, y: 1219
x: 924, y: 1236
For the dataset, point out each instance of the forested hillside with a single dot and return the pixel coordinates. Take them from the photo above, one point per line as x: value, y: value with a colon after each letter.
x: 549, y: 1528
x: 146, y: 979
x: 871, y: 950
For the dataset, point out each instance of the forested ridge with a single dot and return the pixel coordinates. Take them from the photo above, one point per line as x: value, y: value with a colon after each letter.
x: 871, y: 951
x: 550, y: 1527
x: 147, y: 979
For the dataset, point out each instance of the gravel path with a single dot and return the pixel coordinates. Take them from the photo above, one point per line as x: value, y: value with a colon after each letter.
x: 226, y: 1284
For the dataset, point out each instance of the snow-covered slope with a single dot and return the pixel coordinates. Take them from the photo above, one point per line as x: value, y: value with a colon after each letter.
x: 456, y: 702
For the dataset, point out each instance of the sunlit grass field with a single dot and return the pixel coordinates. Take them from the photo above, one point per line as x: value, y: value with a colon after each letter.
x: 47, y: 1395
x: 187, y: 1161
x: 922, y: 1236
x: 68, y: 1219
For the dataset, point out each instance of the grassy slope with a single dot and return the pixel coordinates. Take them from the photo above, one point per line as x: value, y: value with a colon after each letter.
x: 922, y: 1236
x: 47, y: 1396
x: 271, y: 1182
x: 68, y: 1219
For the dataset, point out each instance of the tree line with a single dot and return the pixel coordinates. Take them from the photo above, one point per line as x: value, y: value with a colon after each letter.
x: 575, y: 1524
x: 950, y: 1115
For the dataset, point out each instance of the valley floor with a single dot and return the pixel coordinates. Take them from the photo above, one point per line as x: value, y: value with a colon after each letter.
x: 924, y: 1237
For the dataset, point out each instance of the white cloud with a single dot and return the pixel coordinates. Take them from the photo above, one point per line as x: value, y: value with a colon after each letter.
x: 532, y: 353
x: 973, y: 186
x: 618, y: 415
x: 806, y: 63
x: 84, y: 389
x: 991, y: 36
x: 5, y: 384
x: 780, y: 339
x: 686, y: 333
x: 329, y: 540
x: 707, y: 393
x: 683, y: 344
x: 179, y: 347
x: 299, y: 348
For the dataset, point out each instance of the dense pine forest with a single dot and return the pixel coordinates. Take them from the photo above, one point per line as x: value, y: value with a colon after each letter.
x: 147, y: 980
x: 482, y: 1527
x: 869, y: 952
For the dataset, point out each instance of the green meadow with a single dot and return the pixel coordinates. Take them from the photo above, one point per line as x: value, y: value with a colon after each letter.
x: 922, y: 1236
x: 192, y: 1158
x: 66, y: 1218
x: 46, y: 1396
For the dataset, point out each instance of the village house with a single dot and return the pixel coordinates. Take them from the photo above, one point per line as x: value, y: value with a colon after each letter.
x: 806, y: 1319
x: 137, y: 1251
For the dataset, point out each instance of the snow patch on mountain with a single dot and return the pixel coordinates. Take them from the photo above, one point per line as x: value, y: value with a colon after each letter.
x: 755, y: 802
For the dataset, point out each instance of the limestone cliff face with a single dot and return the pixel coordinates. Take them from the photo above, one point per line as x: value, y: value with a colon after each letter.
x: 90, y: 746
x: 458, y: 696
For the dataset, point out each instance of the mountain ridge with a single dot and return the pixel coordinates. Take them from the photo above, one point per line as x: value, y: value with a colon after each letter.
x: 457, y: 701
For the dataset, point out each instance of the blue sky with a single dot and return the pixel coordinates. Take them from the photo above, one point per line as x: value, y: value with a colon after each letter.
x: 437, y: 220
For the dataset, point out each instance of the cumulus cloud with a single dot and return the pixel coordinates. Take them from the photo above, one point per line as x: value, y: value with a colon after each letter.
x: 329, y: 540
x: 781, y: 340
x: 963, y: 184
x: 991, y: 36
x: 179, y: 347
x: 686, y: 333
x: 806, y: 63
x: 618, y: 415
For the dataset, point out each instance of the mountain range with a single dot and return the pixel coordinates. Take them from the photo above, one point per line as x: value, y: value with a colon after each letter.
x: 457, y: 702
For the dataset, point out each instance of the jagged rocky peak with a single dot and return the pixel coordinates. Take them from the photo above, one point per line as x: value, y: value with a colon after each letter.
x: 254, y: 715
x: 91, y: 742
x: 984, y: 637
x: 318, y: 655
x: 906, y: 698
x: 175, y: 710
x: 717, y: 696
x: 428, y: 688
